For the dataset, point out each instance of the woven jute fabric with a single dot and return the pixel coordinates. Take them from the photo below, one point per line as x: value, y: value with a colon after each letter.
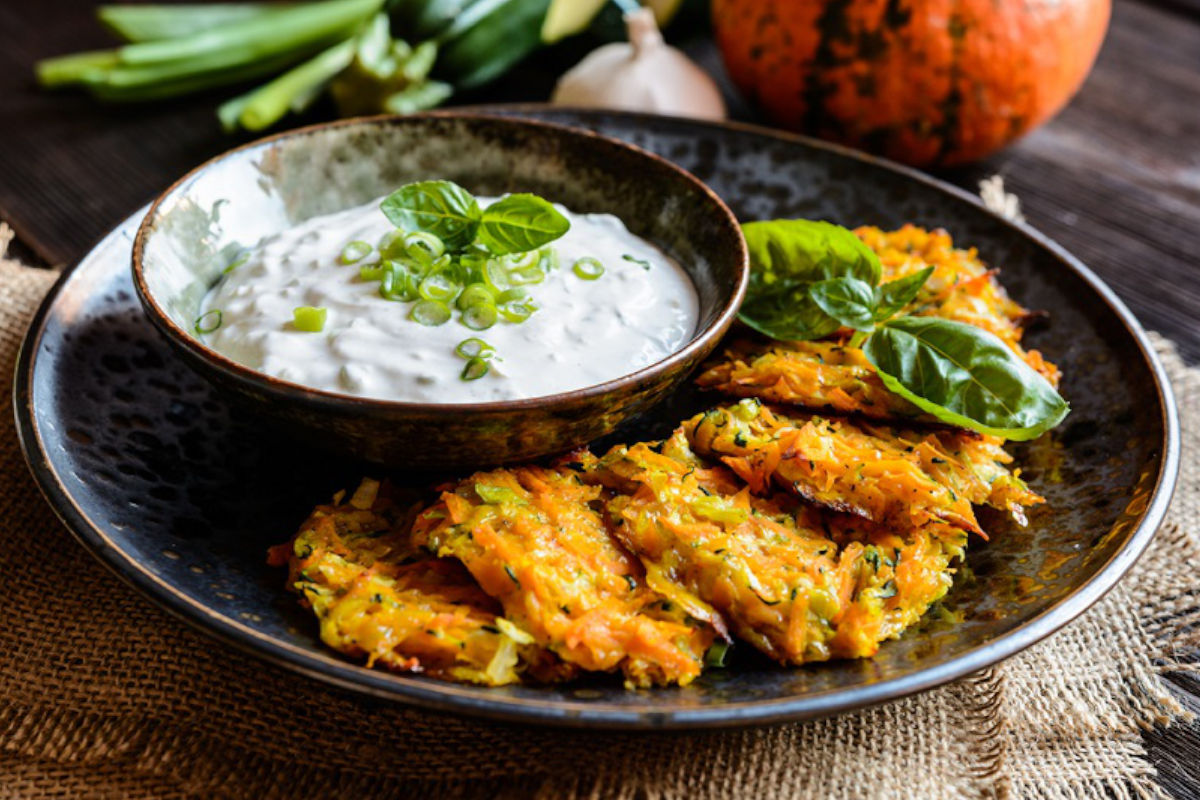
x: 103, y: 695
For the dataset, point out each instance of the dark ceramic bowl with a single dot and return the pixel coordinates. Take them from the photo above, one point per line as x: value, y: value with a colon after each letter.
x: 280, y: 181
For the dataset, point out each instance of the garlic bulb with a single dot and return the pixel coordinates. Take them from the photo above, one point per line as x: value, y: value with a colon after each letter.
x: 644, y: 75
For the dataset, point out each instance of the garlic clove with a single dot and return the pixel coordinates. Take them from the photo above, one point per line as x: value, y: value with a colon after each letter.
x: 645, y: 74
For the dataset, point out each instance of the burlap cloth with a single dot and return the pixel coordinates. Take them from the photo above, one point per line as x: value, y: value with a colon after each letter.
x: 103, y: 695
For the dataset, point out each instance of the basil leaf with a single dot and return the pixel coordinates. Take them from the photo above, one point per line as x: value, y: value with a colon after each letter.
x: 787, y: 256
x: 520, y: 223
x: 442, y: 208
x: 893, y: 296
x: 848, y: 300
x: 964, y: 376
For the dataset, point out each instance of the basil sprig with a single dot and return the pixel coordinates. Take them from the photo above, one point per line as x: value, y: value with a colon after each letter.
x: 517, y: 223
x: 810, y: 279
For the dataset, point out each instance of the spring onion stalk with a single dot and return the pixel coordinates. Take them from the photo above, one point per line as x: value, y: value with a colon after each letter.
x: 267, y: 104
x: 146, y: 23
x: 258, y: 37
x: 67, y: 70
x: 309, y: 319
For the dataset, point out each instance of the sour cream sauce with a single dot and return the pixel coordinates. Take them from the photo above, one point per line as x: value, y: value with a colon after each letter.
x: 583, y: 333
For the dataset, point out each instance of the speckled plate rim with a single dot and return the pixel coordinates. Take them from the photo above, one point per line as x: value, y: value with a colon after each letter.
x: 473, y: 701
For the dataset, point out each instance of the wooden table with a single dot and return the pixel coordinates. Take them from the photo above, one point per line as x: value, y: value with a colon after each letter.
x: 1115, y: 178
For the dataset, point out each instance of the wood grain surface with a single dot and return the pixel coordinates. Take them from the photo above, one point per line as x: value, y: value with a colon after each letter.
x: 1115, y: 178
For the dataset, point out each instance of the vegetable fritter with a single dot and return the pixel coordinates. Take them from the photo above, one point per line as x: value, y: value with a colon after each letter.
x: 817, y: 375
x: 533, y: 540
x: 798, y: 583
x: 961, y: 287
x: 376, y: 596
x: 891, y: 476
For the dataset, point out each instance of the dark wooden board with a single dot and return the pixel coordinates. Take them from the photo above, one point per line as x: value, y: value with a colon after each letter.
x: 1115, y: 178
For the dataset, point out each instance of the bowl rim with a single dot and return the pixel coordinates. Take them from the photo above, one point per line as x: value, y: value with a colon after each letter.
x: 702, y: 340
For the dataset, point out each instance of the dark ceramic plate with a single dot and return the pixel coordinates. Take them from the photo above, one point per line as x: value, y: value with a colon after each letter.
x: 181, y: 495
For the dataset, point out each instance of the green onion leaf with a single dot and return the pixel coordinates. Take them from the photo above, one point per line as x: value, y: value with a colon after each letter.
x: 480, y: 316
x: 475, y: 369
x: 354, y: 252
x: 209, y: 321
x: 430, y: 312
x: 641, y: 262
x: 588, y: 268
x: 309, y: 319
x: 474, y: 348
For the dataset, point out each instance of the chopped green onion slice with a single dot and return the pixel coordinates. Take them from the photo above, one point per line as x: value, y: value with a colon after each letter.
x: 438, y: 286
x: 354, y: 252
x: 242, y: 256
x: 517, y: 310
x: 480, y: 316
x: 475, y: 369
x: 474, y: 348
x: 475, y: 294
x: 430, y: 312
x: 717, y: 654
x: 209, y: 321
x: 391, y: 245
x: 508, y: 295
x: 547, y: 259
x: 309, y: 319
x: 526, y: 275
x: 588, y: 268
x: 373, y: 272
x: 424, y: 246
x: 495, y: 275
x: 397, y: 284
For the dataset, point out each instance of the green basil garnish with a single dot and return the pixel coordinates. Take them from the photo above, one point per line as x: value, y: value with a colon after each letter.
x: 789, y: 256
x: 810, y: 279
x: 893, y: 296
x: 964, y: 376
x: 520, y: 223
x: 442, y: 208
x: 848, y: 300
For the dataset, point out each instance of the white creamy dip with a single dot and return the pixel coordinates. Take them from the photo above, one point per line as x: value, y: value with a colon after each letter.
x: 583, y: 333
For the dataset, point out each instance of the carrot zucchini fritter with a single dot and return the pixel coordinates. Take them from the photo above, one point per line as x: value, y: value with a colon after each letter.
x: 961, y: 287
x: 891, y: 476
x: 817, y: 375
x: 376, y: 596
x: 798, y: 583
x: 831, y: 375
x: 532, y: 539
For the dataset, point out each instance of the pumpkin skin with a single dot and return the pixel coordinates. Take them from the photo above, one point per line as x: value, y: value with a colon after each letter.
x: 927, y: 82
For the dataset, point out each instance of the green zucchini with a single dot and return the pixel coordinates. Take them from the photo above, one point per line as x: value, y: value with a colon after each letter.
x: 488, y: 39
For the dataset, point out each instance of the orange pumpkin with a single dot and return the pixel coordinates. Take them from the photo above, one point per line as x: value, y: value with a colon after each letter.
x: 928, y: 82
